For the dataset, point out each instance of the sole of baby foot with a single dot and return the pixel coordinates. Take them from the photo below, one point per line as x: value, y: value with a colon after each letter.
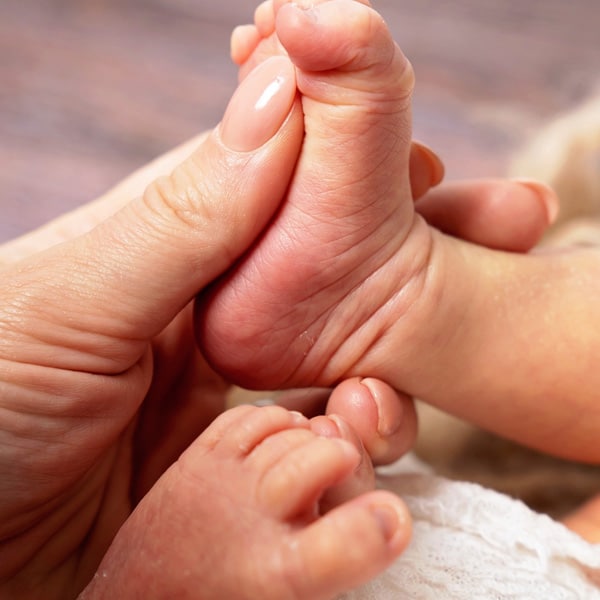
x: 346, y: 257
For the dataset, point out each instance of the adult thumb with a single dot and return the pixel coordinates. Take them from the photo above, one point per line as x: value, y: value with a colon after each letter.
x: 129, y: 277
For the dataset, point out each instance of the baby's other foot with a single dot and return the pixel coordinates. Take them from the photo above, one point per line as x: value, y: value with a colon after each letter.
x: 239, y: 516
x: 250, y: 44
x: 345, y: 258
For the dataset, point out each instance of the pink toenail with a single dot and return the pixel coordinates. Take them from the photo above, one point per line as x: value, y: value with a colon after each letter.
x: 325, y: 426
x: 388, y: 520
x: 308, y: 9
x: 303, y: 4
x: 349, y: 449
x: 298, y: 418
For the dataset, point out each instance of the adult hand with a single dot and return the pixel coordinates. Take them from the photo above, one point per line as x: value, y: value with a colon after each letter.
x: 102, y: 385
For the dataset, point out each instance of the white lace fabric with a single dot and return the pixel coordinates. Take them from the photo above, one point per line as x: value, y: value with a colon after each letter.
x: 472, y: 543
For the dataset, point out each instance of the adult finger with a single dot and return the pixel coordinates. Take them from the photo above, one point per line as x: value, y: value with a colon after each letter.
x: 128, y: 277
x: 426, y: 169
x: 384, y: 419
x: 507, y: 215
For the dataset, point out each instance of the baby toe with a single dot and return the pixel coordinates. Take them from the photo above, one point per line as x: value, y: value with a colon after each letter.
x: 264, y: 18
x: 238, y: 431
x: 292, y: 487
x: 361, y: 479
x: 349, y: 545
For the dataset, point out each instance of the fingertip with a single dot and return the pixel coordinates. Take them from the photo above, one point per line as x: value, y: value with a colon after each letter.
x: 426, y: 169
x: 397, y: 422
x: 259, y: 106
x: 384, y: 420
x: 519, y: 213
x: 495, y: 213
x: 545, y: 195
x: 389, y: 409
x: 354, y: 402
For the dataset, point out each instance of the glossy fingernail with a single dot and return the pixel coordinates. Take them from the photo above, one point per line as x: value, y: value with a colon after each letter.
x: 546, y: 195
x: 260, y: 105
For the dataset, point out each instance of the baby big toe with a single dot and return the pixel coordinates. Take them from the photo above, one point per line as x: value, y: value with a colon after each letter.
x: 349, y: 545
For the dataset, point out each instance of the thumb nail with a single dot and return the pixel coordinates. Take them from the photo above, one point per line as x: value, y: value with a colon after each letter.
x: 260, y: 105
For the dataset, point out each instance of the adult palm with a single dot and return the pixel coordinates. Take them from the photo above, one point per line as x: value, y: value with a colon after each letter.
x: 101, y: 383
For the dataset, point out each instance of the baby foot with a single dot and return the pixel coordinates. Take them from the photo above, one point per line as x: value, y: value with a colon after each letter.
x: 345, y: 258
x: 240, y: 516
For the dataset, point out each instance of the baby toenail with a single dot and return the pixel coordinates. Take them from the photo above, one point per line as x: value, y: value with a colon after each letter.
x: 298, y: 418
x: 308, y: 9
x: 325, y: 426
x: 388, y: 520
